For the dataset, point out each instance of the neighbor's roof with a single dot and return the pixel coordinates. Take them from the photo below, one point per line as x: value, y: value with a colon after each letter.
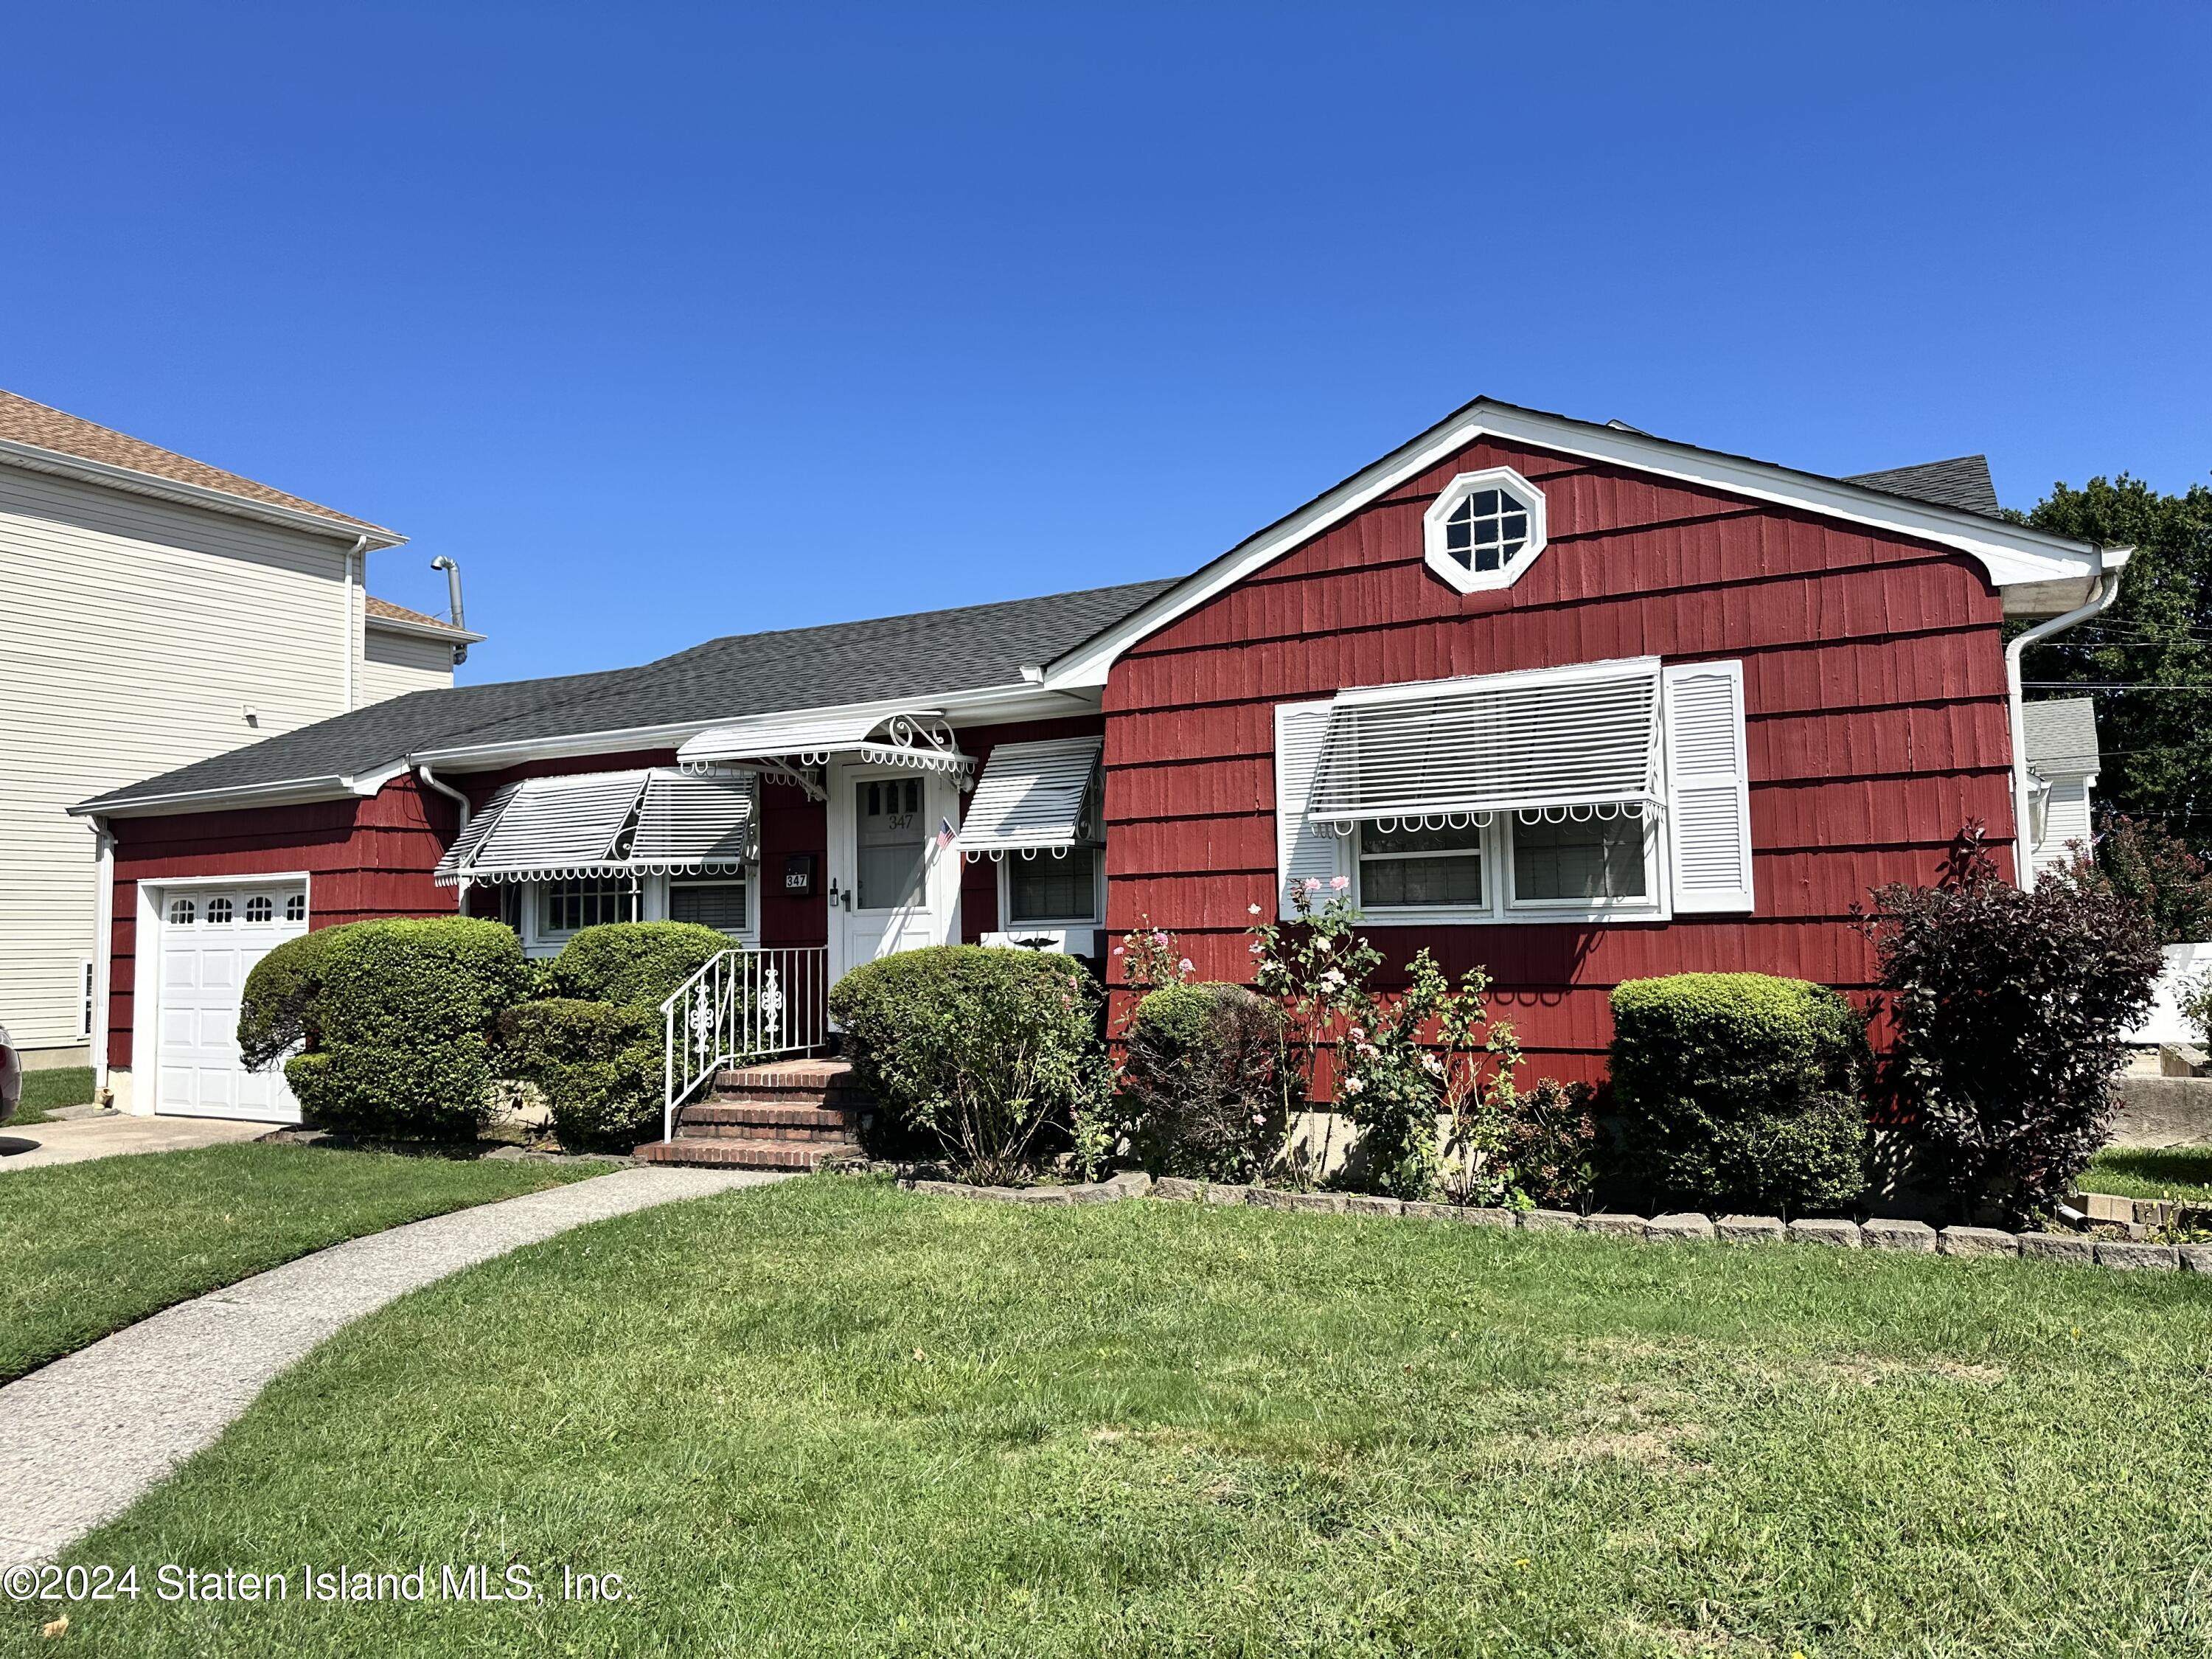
x: 1963, y: 483
x: 376, y: 611
x: 2060, y: 735
x: 913, y: 657
x: 40, y: 426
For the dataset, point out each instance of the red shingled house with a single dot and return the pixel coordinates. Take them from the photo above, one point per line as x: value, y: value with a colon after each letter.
x: 1568, y: 700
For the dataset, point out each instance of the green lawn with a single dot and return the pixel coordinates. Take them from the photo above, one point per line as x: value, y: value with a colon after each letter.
x: 89, y: 1248
x: 825, y: 1419
x: 64, y: 1085
x: 2184, y: 1172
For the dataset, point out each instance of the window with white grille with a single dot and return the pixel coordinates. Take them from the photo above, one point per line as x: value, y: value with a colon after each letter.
x: 1060, y: 888
x: 1484, y: 530
x: 565, y: 906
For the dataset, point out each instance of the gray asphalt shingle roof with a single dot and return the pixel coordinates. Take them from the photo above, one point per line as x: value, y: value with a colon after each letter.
x: 886, y: 658
x: 1963, y: 483
x: 2059, y: 734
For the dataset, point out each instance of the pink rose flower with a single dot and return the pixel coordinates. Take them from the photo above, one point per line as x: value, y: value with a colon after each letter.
x: 1184, y: 966
x: 1313, y: 884
x: 1340, y: 882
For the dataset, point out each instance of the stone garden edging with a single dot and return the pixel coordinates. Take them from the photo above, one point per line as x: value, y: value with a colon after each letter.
x: 1879, y: 1233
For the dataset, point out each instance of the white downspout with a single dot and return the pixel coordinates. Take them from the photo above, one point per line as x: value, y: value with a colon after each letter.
x: 430, y: 779
x: 2107, y: 590
x: 103, y: 954
x: 353, y: 644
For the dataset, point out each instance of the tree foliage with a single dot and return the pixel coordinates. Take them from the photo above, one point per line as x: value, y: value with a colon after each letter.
x: 2157, y: 744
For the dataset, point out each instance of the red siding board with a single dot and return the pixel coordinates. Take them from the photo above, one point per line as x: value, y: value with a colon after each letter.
x: 1874, y: 691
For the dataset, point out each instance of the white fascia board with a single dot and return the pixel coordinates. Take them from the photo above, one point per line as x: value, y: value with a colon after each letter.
x: 2011, y: 553
x: 285, y: 791
x: 32, y: 458
x: 990, y: 705
x: 444, y: 633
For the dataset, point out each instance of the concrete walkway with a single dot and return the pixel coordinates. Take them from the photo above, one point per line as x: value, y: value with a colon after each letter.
x: 82, y: 1439
x: 37, y: 1145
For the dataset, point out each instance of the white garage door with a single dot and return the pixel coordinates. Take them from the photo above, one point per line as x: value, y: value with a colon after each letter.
x: 211, y: 938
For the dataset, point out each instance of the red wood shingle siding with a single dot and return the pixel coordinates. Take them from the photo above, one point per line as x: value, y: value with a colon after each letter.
x: 365, y: 858
x: 1874, y: 695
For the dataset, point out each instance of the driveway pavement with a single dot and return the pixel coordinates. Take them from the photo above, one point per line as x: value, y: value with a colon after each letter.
x: 81, y: 1440
x: 36, y: 1146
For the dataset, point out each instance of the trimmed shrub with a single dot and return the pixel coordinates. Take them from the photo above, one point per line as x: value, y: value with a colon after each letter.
x: 988, y: 1052
x: 637, y: 964
x: 1551, y: 1145
x: 1741, y: 1091
x: 1200, y: 1081
x: 598, y: 1064
x: 2010, y: 1007
x: 277, y: 1014
x: 402, y: 1026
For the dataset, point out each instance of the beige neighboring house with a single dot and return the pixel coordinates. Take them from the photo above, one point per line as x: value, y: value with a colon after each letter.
x: 154, y: 611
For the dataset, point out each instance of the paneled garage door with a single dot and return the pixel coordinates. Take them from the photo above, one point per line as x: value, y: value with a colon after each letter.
x: 210, y: 938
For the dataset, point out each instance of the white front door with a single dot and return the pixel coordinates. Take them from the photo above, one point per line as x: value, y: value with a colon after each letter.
x: 209, y: 939
x: 892, y: 887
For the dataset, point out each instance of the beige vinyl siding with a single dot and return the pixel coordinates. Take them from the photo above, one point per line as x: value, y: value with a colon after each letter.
x: 134, y: 635
x: 395, y: 664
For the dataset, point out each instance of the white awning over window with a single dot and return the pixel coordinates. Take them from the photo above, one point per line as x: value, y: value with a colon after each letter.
x: 1035, y: 795
x: 692, y: 823
x: 596, y: 823
x: 545, y: 829
x: 918, y: 739
x: 1574, y: 737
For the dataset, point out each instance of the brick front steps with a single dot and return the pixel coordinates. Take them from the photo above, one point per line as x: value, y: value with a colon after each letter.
x: 792, y: 1115
x: 1911, y: 1237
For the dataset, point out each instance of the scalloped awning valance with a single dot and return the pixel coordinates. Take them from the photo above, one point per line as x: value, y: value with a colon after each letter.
x: 657, y: 822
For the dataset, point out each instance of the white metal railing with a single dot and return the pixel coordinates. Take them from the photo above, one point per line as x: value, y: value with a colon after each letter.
x: 743, y: 1006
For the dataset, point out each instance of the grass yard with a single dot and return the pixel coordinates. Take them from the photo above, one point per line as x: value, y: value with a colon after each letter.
x: 2130, y: 1172
x: 89, y: 1248
x: 64, y: 1085
x: 825, y: 1419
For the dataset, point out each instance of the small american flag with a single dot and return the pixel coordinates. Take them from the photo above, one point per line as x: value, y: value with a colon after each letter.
x: 945, y: 834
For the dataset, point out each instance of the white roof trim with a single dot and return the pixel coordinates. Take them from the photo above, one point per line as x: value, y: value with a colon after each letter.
x: 2011, y: 553
x: 36, y: 458
x: 283, y: 792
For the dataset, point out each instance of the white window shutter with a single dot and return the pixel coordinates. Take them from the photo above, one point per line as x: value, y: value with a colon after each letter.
x: 1707, y: 795
x: 1301, y: 851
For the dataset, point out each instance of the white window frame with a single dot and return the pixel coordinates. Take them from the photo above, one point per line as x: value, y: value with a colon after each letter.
x: 1096, y: 918
x: 1433, y: 538
x: 659, y: 905
x: 1502, y: 901
x: 90, y: 981
x: 537, y: 940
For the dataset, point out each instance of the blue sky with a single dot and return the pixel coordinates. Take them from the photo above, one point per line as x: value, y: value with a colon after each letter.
x: 674, y: 323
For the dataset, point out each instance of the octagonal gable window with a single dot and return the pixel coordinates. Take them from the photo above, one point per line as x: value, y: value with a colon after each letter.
x: 1484, y: 530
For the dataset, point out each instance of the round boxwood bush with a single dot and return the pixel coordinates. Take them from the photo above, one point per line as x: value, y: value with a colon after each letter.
x: 637, y: 964
x: 1741, y: 1091
x: 401, y: 1023
x: 278, y: 1015
x: 599, y: 1066
x: 992, y: 1054
x: 1199, y: 1081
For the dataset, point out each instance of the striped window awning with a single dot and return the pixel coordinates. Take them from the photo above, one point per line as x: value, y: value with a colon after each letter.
x: 656, y: 822
x: 1456, y: 750
x: 1034, y: 795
